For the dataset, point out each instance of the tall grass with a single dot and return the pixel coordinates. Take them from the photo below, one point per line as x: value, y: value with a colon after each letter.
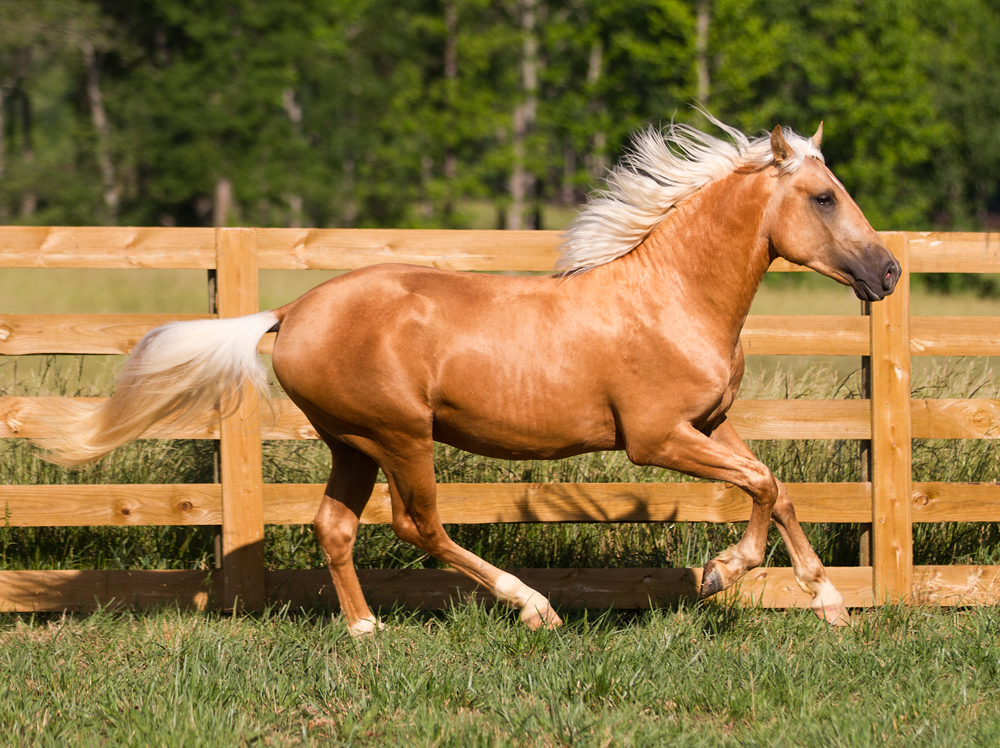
x: 527, y: 545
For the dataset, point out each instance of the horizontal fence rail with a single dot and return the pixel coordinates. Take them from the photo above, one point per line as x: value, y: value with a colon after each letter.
x: 242, y: 504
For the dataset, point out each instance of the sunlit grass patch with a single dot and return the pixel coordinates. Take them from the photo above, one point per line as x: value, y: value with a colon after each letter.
x: 712, y: 675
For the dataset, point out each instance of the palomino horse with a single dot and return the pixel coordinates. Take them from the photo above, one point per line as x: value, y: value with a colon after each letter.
x: 635, y: 346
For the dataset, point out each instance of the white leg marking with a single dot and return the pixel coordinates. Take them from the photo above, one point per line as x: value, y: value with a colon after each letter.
x: 364, y: 627
x: 828, y: 603
x: 535, y: 608
x: 513, y: 591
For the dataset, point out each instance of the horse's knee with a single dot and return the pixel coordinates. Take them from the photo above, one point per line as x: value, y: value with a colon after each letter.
x: 754, y: 557
x: 762, y: 485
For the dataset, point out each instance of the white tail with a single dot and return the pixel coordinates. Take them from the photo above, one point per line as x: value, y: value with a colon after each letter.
x: 183, y: 370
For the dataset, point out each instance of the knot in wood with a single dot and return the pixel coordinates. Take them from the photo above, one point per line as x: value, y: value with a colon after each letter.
x: 5, y: 332
x: 126, y: 511
x: 982, y: 418
x: 922, y: 499
x: 185, y: 506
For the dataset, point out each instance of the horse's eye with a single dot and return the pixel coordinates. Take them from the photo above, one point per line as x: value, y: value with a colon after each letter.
x: 825, y: 200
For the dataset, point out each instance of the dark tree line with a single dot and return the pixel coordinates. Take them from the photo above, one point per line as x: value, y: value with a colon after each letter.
x: 405, y: 112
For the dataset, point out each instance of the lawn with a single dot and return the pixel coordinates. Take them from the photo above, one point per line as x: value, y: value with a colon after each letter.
x: 693, y: 676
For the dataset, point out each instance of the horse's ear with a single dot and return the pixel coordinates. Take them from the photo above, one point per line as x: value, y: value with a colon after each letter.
x: 779, y: 147
x: 818, y: 137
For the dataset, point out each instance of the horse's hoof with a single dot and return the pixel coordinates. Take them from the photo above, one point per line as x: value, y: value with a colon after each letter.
x: 835, y: 615
x: 711, y: 580
x: 540, y: 618
x: 364, y: 627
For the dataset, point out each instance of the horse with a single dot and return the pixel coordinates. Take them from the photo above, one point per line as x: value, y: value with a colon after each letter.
x: 634, y: 345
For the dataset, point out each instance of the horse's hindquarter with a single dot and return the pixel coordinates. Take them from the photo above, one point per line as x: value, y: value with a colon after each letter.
x: 500, y: 365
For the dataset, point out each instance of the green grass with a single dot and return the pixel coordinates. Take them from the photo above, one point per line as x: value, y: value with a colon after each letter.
x: 693, y: 676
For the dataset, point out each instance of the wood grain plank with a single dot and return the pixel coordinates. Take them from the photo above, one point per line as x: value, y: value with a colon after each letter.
x: 282, y: 419
x: 956, y: 585
x: 955, y: 419
x: 892, y: 536
x: 36, y: 418
x: 478, y: 503
x: 954, y: 252
x: 956, y: 502
x: 763, y: 335
x: 34, y: 334
x: 129, y: 505
x: 781, y: 265
x: 806, y: 335
x: 801, y: 419
x: 348, y: 249
x: 86, y: 591
x: 106, y: 247
x: 635, y: 589
x: 240, y: 447
x: 156, y: 247
x: 955, y: 336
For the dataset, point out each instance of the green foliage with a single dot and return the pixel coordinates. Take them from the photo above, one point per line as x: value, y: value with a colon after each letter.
x: 398, y: 113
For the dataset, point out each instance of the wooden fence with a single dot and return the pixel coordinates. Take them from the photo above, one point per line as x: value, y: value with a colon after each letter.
x: 242, y: 504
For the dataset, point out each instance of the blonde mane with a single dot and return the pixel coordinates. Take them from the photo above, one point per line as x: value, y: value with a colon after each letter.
x: 663, y: 169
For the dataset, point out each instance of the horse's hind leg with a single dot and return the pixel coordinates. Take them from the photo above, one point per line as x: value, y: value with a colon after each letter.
x: 415, y: 519
x: 347, y: 492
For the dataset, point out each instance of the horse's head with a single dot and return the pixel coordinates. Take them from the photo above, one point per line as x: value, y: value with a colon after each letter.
x: 814, y: 222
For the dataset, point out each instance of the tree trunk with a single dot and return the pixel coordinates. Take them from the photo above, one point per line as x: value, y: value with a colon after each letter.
x: 100, y: 121
x: 597, y: 161
x: 568, y: 197
x: 223, y: 203
x: 4, y: 213
x: 704, y: 19
x: 451, y: 83
x: 522, y: 181
x: 351, y: 208
x: 29, y: 200
x: 294, y: 111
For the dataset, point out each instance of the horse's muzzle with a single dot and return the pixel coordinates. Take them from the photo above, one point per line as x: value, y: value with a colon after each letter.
x: 875, y: 280
x: 890, y: 275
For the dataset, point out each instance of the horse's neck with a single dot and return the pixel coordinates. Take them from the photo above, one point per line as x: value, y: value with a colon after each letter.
x: 711, y: 253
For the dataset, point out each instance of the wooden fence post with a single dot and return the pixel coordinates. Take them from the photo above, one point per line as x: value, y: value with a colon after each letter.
x: 240, y: 438
x: 865, y: 451
x: 892, y: 529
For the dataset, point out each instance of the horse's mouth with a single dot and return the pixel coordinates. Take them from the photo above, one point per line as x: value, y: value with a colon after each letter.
x: 865, y: 293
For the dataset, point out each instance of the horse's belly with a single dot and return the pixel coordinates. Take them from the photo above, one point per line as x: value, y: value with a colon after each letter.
x: 540, y: 435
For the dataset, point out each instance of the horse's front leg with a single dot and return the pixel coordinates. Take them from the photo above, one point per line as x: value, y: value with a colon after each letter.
x: 827, y: 602
x: 691, y: 452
